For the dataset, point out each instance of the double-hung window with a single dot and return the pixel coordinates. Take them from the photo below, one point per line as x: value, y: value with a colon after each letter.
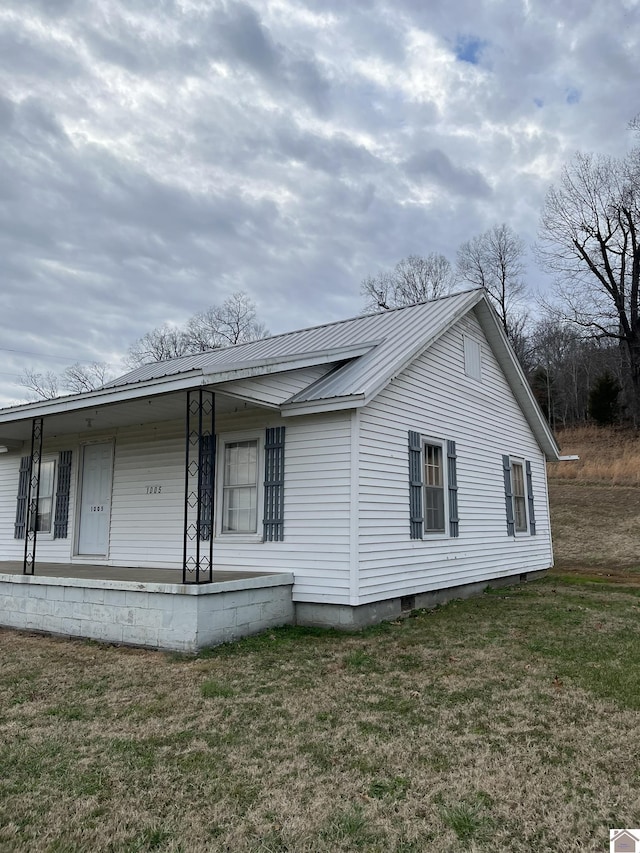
x: 518, y: 495
x: 250, y: 485
x: 434, y: 512
x: 44, y: 523
x: 433, y: 487
x: 52, y: 514
x: 240, y: 487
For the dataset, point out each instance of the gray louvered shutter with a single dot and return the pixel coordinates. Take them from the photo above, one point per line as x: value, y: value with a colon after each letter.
x: 61, y: 518
x: 416, y: 516
x: 273, y: 521
x: 23, y: 493
x: 508, y: 495
x: 207, y: 466
x: 453, y: 489
x: 532, y: 515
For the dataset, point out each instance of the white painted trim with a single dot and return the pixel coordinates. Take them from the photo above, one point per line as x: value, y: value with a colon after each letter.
x: 334, y: 404
x: 430, y: 535
x: 222, y: 439
x: 354, y: 511
x: 50, y: 457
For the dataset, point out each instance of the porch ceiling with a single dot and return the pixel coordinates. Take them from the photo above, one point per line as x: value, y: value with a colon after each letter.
x: 150, y: 409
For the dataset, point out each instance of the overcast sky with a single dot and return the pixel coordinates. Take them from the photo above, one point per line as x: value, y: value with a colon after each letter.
x: 158, y: 155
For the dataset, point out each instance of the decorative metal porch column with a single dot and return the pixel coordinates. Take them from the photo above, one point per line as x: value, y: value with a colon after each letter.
x: 33, y: 497
x: 199, y: 479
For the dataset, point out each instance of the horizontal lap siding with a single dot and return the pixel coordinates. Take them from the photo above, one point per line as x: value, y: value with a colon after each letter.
x: 47, y: 549
x: 147, y: 529
x: 316, y: 511
x: 437, y: 399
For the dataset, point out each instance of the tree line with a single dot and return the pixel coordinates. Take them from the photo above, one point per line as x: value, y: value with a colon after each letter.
x: 581, y: 351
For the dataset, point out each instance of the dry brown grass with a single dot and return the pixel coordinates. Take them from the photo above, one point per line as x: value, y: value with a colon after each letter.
x: 505, y: 722
x: 607, y: 455
x: 595, y: 503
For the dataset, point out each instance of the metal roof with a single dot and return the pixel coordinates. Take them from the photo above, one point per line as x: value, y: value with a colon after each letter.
x: 362, y: 356
x: 386, y: 335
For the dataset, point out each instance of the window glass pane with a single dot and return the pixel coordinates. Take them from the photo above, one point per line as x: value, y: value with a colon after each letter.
x: 433, y: 465
x: 519, y: 498
x: 240, y: 487
x: 240, y: 463
x: 45, y: 500
x: 434, y: 489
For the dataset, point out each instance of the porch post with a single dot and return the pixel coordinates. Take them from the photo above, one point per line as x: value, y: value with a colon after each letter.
x: 199, y: 480
x: 33, y: 496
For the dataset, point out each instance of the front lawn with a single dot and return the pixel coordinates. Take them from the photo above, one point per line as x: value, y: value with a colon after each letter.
x: 507, y: 722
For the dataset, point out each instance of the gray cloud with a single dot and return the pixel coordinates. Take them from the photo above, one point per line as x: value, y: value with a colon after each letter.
x: 156, y: 155
x: 435, y: 165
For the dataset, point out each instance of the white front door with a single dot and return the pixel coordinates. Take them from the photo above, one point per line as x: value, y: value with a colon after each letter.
x: 95, y: 499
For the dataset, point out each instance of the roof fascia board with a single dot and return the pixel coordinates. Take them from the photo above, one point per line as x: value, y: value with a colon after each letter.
x: 91, y: 399
x: 514, y: 373
x: 333, y: 404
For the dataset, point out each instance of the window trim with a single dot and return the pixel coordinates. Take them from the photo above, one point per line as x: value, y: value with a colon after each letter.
x: 445, y: 533
x: 222, y: 440
x: 46, y: 535
x: 526, y: 530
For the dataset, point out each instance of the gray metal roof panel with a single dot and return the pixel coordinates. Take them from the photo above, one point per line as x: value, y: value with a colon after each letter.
x: 392, y: 329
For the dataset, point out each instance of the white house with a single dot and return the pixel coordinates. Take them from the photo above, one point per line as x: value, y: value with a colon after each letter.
x: 361, y: 467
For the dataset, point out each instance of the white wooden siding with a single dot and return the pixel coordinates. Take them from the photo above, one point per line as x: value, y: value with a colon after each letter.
x: 147, y: 529
x: 48, y: 549
x: 435, y: 397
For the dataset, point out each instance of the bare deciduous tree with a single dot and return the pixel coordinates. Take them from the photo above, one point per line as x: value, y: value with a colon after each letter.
x: 85, y: 377
x: 494, y: 260
x: 74, y: 380
x: 413, y: 279
x: 233, y: 322
x: 589, y: 238
x: 43, y: 386
x: 159, y: 344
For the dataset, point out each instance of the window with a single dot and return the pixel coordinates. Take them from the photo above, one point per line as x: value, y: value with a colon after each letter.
x: 518, y: 496
x: 433, y: 487
x: 53, y: 502
x: 46, y: 495
x: 434, y: 521
x: 240, y: 487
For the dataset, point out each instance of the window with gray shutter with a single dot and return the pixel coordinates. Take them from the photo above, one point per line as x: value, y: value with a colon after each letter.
x: 23, y: 493
x: 508, y: 495
x: 273, y: 521
x: 416, y: 516
x: 532, y: 517
x: 61, y: 518
x: 454, y: 526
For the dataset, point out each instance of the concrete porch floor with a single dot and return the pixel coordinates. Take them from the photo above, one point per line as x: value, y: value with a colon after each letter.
x: 97, y: 571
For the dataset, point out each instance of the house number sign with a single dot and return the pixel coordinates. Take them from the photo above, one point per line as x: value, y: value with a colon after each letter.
x: 154, y: 490
x: 99, y: 508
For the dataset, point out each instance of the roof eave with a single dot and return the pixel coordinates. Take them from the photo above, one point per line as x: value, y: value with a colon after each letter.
x: 331, y: 404
x: 514, y: 373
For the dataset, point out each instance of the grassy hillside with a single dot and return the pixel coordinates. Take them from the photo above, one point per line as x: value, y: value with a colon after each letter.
x: 595, y: 503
